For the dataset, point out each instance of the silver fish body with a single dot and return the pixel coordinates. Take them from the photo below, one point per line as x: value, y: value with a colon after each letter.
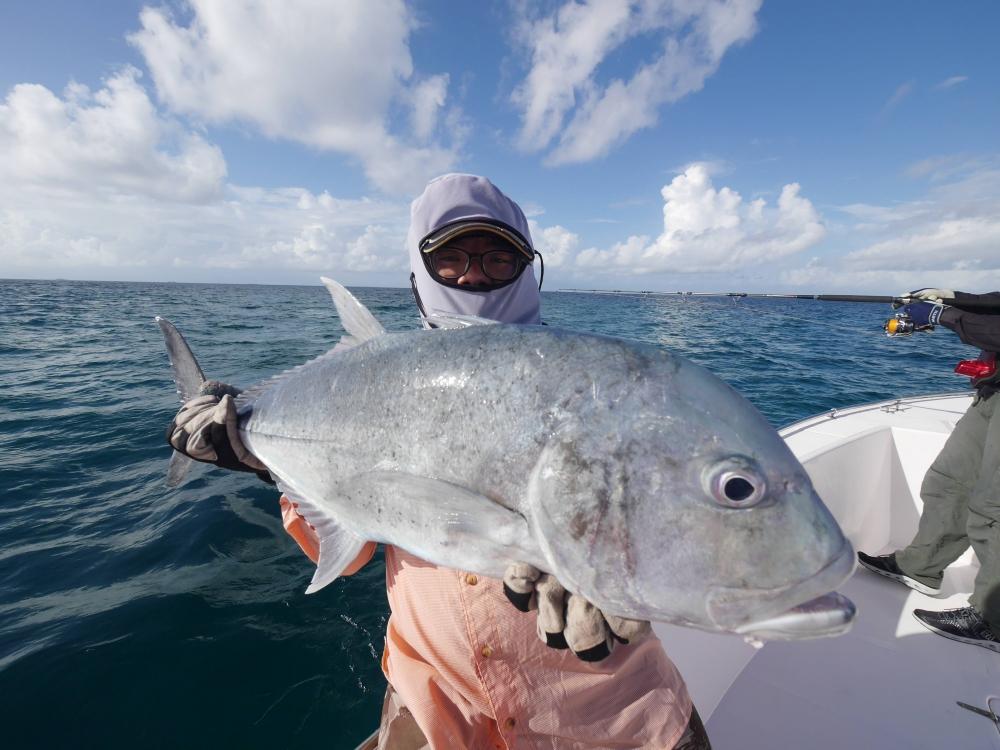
x: 637, y: 478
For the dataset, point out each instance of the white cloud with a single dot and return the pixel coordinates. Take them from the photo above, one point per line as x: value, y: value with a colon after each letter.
x: 321, y: 246
x: 111, y: 140
x: 947, y: 83
x: 956, y: 226
x: 709, y: 229
x: 49, y: 232
x: 960, y: 169
x: 99, y: 184
x: 936, y: 243
x: 902, y: 91
x: 949, y: 237
x: 428, y: 99
x: 325, y: 74
x: 832, y: 277
x: 557, y: 244
x: 938, y: 238
x: 561, y: 98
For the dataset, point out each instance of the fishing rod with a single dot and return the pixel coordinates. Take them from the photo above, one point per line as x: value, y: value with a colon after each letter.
x: 736, y: 296
x: 821, y: 297
x: 982, y: 306
x: 901, y: 324
x: 740, y: 295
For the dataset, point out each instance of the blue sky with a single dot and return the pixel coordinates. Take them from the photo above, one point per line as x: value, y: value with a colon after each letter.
x: 657, y: 144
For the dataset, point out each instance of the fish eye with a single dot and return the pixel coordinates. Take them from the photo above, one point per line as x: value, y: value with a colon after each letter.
x: 736, y: 483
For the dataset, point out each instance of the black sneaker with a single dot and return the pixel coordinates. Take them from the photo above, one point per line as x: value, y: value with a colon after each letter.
x: 885, y: 565
x: 965, y: 625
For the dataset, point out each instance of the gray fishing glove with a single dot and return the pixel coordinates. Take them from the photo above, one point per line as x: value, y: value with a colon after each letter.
x: 566, y: 620
x: 206, y: 429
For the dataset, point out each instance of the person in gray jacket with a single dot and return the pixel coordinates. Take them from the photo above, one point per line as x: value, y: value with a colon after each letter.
x: 598, y: 680
x: 961, y: 490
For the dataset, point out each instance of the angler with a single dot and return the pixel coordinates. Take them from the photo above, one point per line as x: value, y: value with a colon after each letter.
x: 647, y: 486
x: 959, y: 491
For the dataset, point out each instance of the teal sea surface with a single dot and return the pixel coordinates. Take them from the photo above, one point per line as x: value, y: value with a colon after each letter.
x: 132, y: 614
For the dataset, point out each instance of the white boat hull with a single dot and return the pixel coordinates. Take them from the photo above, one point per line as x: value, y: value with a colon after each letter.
x: 888, y: 683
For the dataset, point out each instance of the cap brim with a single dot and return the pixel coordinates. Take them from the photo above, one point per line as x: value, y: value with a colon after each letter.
x: 446, y: 234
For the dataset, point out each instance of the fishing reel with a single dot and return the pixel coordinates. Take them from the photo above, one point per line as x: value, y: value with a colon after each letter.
x: 901, y: 324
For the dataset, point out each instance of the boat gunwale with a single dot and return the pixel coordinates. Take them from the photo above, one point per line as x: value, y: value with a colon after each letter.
x: 794, y: 428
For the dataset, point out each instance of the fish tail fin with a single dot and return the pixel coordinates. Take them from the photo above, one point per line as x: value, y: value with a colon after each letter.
x: 178, y: 468
x: 188, y: 378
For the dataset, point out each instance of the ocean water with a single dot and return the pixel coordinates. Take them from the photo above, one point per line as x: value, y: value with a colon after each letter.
x: 135, y: 614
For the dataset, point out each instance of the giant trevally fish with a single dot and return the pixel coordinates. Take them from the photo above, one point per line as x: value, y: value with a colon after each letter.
x: 638, y: 479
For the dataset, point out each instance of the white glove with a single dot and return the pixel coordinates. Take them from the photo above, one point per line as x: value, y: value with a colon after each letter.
x: 206, y: 429
x: 566, y: 620
x: 929, y: 294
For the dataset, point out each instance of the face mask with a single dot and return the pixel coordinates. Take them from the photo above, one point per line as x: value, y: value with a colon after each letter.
x: 451, y: 201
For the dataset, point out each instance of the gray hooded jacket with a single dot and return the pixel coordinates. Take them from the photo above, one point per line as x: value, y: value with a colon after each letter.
x: 456, y: 197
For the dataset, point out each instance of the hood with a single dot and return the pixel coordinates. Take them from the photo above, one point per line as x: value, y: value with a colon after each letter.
x: 458, y: 197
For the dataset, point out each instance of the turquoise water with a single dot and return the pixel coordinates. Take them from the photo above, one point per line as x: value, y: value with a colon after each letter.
x: 131, y: 613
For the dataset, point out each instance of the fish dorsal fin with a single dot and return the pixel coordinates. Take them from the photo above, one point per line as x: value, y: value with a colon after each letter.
x: 354, y: 316
x: 438, y: 319
x: 188, y: 376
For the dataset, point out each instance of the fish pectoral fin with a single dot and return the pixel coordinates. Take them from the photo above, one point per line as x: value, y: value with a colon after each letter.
x: 355, y: 317
x: 338, y: 546
x: 432, y: 518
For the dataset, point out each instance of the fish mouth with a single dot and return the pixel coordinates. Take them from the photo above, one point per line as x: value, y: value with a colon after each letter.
x: 824, y: 616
